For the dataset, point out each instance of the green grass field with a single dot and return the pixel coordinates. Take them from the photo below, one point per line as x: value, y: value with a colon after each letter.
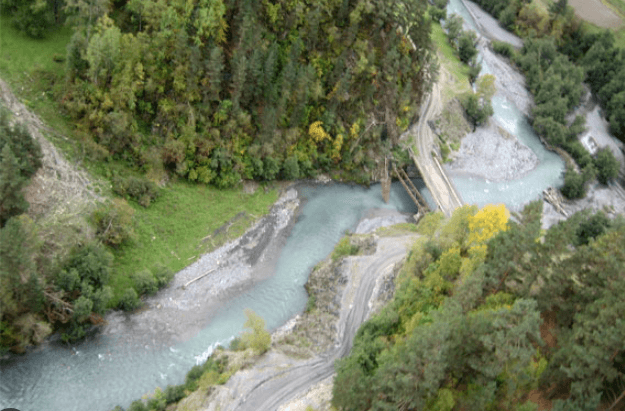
x: 21, y: 56
x: 450, y: 62
x: 180, y: 226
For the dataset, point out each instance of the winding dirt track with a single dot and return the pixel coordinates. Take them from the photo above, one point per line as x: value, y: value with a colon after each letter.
x: 285, y: 385
x: 445, y: 195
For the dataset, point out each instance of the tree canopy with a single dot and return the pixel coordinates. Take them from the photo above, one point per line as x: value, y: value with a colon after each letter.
x: 463, y: 329
x: 231, y: 89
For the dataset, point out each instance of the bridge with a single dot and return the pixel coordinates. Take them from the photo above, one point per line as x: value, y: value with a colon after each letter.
x: 443, y: 191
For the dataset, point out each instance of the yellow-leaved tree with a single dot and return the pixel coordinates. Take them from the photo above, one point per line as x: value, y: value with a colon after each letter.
x: 257, y: 338
x: 317, y: 133
x: 487, y: 222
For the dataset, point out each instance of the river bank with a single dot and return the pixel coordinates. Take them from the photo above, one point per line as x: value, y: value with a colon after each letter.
x: 187, y: 304
x: 298, y: 369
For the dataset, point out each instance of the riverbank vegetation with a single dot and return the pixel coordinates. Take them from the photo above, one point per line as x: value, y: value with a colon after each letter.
x: 491, y: 313
x: 560, y: 53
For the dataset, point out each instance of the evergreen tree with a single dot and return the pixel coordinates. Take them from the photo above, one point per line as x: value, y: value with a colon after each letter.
x: 606, y: 164
x: 12, y: 200
x: 24, y: 147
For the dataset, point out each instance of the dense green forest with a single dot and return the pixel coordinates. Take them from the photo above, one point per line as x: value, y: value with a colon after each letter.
x: 463, y: 330
x: 217, y: 91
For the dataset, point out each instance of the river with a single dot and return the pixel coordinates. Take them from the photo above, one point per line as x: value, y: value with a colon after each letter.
x: 129, y: 359
x: 132, y: 359
x: 511, y: 105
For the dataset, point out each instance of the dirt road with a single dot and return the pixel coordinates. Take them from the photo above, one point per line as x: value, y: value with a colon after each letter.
x: 270, y: 390
x: 445, y: 195
x: 596, y: 12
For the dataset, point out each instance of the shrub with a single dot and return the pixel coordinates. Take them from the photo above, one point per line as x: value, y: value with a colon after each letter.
x: 592, y: 228
x: 291, y: 168
x: 467, y: 46
x: 68, y: 280
x: 142, y: 190
x: 163, y: 275
x: 114, y: 222
x: 606, y: 164
x: 437, y: 14
x: 144, y: 282
x: 194, y: 374
x: 311, y: 303
x: 137, y: 405
x: 503, y: 48
x: 129, y: 300
x: 344, y: 248
x: 258, y: 339
x: 92, y: 263
x: 237, y: 344
x: 581, y: 156
x: 24, y: 147
x: 34, y: 18
x: 574, y: 185
x: 174, y: 393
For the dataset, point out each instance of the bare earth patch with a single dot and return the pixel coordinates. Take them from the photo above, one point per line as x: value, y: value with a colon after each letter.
x: 596, y: 12
x: 59, y: 187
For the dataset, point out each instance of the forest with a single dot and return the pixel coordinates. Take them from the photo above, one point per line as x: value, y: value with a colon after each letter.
x: 492, y: 313
x: 216, y: 91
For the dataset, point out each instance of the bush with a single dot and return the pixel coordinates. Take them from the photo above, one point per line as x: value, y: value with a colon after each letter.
x: 144, y: 282
x: 194, y: 374
x: 92, y: 263
x: 163, y: 275
x: 606, y: 164
x: 344, y: 248
x: 237, y: 344
x: 68, y: 280
x: 437, y: 14
x: 156, y: 404
x: 129, y: 300
x: 34, y: 18
x: 503, y: 48
x: 581, y: 156
x: 174, y: 393
x: 592, y: 228
x: 574, y: 185
x: 258, y: 339
x: 467, y: 49
x: 137, y: 405
x: 25, y: 148
x: 291, y: 168
x: 311, y: 304
x: 114, y: 223
x: 142, y: 190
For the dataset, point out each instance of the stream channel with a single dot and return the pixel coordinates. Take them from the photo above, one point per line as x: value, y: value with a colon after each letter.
x: 131, y: 359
